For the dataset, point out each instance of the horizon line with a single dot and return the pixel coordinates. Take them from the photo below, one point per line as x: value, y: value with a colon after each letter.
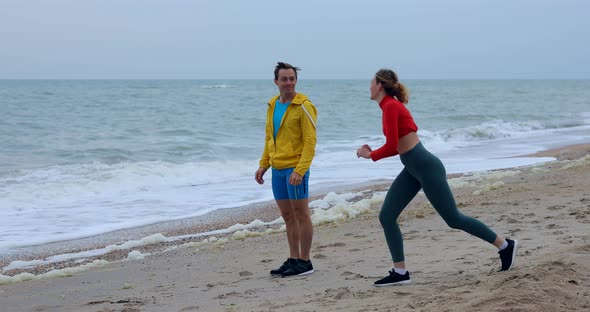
x: 263, y: 79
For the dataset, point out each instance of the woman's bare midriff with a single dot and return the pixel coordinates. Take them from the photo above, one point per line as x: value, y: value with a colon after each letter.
x: 407, y: 142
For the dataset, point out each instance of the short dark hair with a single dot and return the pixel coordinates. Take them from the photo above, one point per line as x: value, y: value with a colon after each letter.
x: 281, y: 65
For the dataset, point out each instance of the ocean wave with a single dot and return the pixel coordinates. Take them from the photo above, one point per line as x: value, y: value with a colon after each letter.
x: 492, y: 130
x: 219, y: 86
x: 70, y: 184
x: 449, y: 139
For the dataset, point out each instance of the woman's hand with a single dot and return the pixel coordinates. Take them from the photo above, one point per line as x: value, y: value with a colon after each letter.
x: 364, y: 151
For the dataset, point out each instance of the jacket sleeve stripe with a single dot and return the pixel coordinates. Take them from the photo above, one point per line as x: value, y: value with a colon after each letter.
x: 308, y: 115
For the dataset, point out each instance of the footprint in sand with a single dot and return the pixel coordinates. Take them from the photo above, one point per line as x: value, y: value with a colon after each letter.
x: 553, y: 226
x: 580, y: 213
x: 252, y: 291
x: 351, y: 275
x: 319, y: 248
x: 210, y: 286
x: 346, y: 293
x: 245, y: 273
x: 513, y: 232
x: 555, y: 207
x: 566, y: 240
x: 512, y: 221
x: 227, y: 295
x: 319, y: 256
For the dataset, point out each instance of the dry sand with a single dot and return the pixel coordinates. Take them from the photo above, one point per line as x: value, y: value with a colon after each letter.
x: 547, y: 208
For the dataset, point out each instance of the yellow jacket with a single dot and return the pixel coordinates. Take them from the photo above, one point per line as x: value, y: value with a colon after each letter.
x: 294, y: 145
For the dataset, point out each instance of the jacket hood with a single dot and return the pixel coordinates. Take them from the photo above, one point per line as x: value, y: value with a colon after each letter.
x: 298, y: 99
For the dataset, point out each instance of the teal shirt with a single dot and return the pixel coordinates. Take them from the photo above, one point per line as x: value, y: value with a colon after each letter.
x: 279, y: 112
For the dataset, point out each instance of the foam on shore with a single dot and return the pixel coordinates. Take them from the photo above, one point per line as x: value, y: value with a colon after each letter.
x: 331, y: 208
x: 338, y: 208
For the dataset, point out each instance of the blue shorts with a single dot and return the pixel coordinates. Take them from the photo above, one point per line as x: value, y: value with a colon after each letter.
x: 283, y: 190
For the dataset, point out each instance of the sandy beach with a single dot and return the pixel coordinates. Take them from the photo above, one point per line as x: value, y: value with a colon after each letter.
x: 545, y: 207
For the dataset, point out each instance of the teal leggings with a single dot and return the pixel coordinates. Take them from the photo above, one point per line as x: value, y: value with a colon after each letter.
x: 424, y: 171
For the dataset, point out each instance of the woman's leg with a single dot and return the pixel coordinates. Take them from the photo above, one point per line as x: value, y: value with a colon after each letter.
x: 403, y: 189
x: 431, y: 174
x: 436, y: 188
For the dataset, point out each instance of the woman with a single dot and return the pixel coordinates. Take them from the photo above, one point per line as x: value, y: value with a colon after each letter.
x: 422, y: 170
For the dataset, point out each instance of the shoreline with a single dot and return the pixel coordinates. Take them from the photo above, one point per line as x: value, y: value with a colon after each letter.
x: 546, y: 207
x: 211, y: 221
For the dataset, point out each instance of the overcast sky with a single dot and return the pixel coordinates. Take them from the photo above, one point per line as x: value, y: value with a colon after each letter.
x: 243, y: 39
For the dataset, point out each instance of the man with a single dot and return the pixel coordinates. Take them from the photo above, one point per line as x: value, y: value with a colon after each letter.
x: 289, y: 148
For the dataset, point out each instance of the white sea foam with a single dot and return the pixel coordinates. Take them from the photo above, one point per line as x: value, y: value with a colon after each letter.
x: 52, y: 274
x: 585, y: 161
x: 136, y: 255
x: 335, y: 207
x: 152, y: 239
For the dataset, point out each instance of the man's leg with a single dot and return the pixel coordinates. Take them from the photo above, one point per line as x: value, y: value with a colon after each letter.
x: 293, y: 237
x: 298, y: 195
x: 303, y: 220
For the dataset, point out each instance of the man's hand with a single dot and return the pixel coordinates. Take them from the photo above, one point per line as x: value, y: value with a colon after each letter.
x: 259, y: 174
x: 295, y: 178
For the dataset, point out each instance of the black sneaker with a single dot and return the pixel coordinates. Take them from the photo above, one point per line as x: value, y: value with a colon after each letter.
x: 394, y: 279
x: 301, y: 267
x: 508, y: 255
x: 287, y: 264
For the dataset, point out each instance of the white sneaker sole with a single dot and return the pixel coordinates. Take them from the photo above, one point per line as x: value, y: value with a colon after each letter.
x: 305, y: 273
x: 394, y: 284
x: 300, y: 274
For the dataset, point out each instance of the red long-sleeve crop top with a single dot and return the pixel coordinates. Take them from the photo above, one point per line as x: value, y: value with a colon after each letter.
x: 397, y: 122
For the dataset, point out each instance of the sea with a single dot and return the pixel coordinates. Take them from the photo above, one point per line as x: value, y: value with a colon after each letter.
x: 80, y: 158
